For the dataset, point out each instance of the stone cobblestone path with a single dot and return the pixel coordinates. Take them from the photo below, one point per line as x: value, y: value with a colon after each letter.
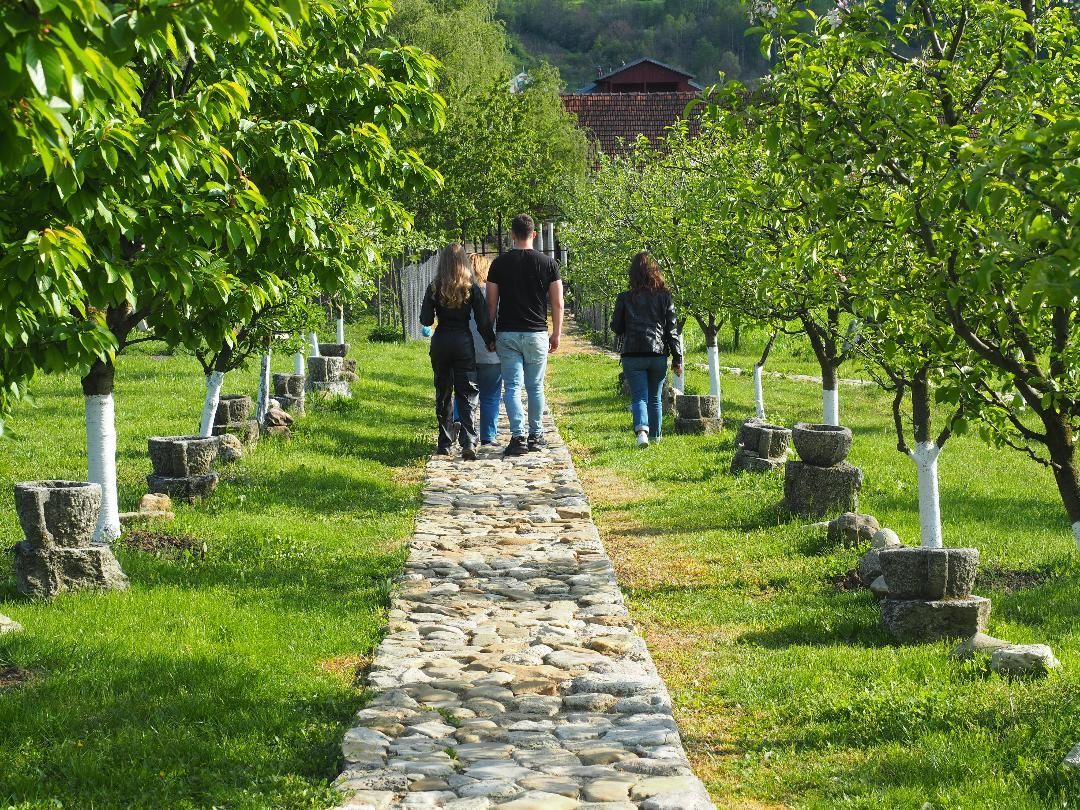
x: 511, y: 675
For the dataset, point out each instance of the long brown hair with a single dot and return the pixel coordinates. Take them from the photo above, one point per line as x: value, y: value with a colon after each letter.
x: 481, y: 265
x: 453, y: 277
x: 645, y: 275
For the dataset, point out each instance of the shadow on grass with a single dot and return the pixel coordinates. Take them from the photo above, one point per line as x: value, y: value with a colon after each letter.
x: 843, y: 620
x: 183, y: 727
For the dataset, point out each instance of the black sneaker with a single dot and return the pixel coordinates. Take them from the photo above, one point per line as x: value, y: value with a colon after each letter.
x: 536, y: 444
x: 442, y: 451
x: 468, y: 454
x: 517, y: 447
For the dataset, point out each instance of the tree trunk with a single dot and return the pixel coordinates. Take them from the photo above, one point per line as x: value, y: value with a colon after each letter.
x: 314, y: 338
x: 1061, y: 444
x: 823, y: 342
x: 759, y: 388
x: 341, y: 325
x: 210, y: 404
x: 736, y: 338
x: 101, y: 446
x: 678, y: 381
x: 830, y: 397
x: 263, y: 404
x: 925, y: 456
x: 298, y: 363
x: 712, y: 352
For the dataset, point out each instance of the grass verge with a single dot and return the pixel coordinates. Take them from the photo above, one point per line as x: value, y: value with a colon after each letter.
x: 223, y: 680
x: 787, y: 690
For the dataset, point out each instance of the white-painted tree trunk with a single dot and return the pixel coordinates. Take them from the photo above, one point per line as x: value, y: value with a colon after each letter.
x: 341, y: 325
x: 210, y: 403
x: 298, y: 363
x: 315, y: 345
x: 830, y: 401
x: 101, y: 462
x: 1076, y: 534
x: 713, y: 354
x: 678, y: 382
x: 264, y: 388
x: 759, y: 393
x: 925, y: 456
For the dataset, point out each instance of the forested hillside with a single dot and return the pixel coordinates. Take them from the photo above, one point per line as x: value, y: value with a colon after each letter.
x: 582, y: 36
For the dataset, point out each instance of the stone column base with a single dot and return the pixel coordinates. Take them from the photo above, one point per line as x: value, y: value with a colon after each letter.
x: 44, y: 572
x: 698, y: 425
x: 915, y: 620
x: 748, y: 461
x: 293, y: 405
x: 184, y: 489
x: 819, y: 491
x: 247, y: 431
x: 334, y: 388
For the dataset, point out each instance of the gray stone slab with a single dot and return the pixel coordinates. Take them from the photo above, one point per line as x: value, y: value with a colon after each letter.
x: 510, y: 675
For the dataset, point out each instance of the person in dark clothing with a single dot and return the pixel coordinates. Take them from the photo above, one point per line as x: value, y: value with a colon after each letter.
x: 454, y: 298
x: 645, y: 317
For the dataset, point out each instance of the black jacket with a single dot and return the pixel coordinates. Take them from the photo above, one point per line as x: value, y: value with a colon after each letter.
x: 647, y: 323
x: 458, y: 319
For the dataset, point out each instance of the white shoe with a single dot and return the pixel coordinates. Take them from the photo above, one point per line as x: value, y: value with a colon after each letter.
x: 643, y: 438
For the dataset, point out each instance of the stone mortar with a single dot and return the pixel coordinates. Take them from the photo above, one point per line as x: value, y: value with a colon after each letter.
x: 821, y: 445
x: 57, y: 513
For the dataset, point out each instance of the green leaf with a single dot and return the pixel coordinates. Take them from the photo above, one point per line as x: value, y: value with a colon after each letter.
x: 35, y: 69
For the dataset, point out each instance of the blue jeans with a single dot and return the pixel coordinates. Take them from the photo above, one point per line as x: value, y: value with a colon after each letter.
x: 524, y: 359
x: 645, y: 376
x: 489, y: 378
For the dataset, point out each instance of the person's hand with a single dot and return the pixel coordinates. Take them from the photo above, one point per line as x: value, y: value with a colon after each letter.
x: 677, y: 369
x: 553, y: 342
x: 491, y: 346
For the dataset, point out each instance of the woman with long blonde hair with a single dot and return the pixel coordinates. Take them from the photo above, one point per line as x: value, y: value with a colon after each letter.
x: 455, y: 300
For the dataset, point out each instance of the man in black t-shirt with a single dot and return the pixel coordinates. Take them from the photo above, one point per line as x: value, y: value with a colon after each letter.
x: 521, y: 285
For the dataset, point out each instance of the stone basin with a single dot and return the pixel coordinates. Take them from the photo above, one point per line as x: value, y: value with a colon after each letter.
x: 821, y: 445
x: 233, y: 408
x: 182, y: 456
x: 58, y: 513
x: 929, y: 573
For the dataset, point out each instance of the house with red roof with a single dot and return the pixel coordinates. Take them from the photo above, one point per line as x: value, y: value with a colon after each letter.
x: 643, y: 97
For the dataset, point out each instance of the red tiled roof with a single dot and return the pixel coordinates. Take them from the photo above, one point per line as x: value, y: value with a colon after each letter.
x: 615, y: 119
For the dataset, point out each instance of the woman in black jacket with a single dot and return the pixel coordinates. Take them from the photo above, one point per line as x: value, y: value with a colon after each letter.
x: 453, y: 297
x: 645, y: 318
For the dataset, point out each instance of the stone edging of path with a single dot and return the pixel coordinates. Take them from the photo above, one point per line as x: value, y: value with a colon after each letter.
x: 511, y: 675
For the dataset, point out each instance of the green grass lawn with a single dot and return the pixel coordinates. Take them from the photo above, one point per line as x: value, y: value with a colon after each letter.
x: 225, y: 681
x: 788, y: 691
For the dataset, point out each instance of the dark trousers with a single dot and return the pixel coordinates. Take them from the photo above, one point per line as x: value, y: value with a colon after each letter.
x: 453, y: 361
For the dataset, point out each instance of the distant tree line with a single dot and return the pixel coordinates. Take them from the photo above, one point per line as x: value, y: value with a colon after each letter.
x: 704, y: 37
